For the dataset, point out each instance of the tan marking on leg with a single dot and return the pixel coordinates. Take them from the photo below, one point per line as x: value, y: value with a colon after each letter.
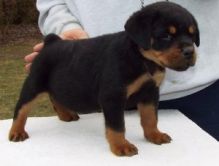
x: 149, y: 124
x: 136, y: 85
x: 64, y: 113
x: 17, y: 132
x: 158, y: 77
x: 119, y: 145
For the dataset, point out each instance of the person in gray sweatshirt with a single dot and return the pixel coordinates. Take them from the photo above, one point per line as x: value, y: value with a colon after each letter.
x: 194, y: 92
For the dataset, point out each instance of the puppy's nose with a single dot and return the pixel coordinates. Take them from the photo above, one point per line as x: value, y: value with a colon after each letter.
x: 188, y: 52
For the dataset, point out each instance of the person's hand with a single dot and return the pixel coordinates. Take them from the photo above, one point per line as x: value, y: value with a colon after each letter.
x: 73, y: 34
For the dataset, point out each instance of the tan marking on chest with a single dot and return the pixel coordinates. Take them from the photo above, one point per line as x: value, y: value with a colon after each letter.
x: 158, y: 77
x: 137, y: 84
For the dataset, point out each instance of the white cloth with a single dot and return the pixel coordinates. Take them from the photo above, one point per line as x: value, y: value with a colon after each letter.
x: 99, y: 17
x: 83, y: 143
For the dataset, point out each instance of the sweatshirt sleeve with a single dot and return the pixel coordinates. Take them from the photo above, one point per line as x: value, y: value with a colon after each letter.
x: 55, y: 17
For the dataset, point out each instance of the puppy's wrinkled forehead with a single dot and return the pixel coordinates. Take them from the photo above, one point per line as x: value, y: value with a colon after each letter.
x: 176, y: 20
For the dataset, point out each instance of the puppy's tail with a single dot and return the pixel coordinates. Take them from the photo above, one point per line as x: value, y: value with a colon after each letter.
x: 51, y: 38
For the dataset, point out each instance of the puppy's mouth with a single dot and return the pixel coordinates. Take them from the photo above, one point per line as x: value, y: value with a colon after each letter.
x: 184, y: 66
x: 181, y: 68
x: 183, y: 62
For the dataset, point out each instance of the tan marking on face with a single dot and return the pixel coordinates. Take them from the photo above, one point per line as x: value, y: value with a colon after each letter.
x: 149, y: 124
x: 151, y: 55
x: 172, y: 30
x: 118, y: 144
x: 191, y: 29
x: 136, y: 85
x: 169, y: 57
x: 63, y: 112
x: 158, y: 77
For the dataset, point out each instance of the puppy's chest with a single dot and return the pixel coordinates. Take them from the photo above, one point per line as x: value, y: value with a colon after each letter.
x: 156, y: 78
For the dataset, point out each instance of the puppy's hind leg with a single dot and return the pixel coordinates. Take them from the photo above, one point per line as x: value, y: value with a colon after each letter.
x: 64, y: 113
x: 36, y: 83
x: 28, y: 94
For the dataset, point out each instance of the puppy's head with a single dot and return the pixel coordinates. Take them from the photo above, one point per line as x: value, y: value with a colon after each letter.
x: 165, y: 33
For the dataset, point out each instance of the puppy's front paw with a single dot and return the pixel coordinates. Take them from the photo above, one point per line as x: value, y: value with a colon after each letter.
x: 17, y: 136
x: 158, y: 137
x: 125, y: 149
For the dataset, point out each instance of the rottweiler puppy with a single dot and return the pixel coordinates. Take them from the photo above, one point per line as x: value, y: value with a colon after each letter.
x: 113, y: 72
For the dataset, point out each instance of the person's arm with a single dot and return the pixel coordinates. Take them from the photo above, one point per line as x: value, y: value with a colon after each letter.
x: 55, y: 17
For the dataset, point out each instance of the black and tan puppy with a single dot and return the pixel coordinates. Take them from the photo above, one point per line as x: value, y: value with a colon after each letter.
x: 113, y: 72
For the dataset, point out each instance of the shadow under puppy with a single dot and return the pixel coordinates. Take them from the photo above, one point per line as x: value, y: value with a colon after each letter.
x: 113, y: 72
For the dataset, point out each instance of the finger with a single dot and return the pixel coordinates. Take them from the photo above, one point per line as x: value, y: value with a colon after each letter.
x: 38, y: 47
x: 74, y: 34
x: 83, y: 36
x: 29, y: 58
x: 27, y: 67
x: 68, y: 36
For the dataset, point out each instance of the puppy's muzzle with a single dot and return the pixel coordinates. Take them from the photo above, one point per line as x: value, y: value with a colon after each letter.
x: 186, y: 59
x: 188, y: 52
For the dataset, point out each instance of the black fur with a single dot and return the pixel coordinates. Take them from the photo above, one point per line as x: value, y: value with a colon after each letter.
x: 90, y: 74
x: 143, y: 25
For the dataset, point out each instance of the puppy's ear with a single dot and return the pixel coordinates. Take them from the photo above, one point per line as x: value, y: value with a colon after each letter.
x: 139, y: 27
x: 197, y: 37
x: 197, y: 34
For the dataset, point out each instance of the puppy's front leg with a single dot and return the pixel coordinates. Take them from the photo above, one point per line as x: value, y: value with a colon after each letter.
x: 113, y: 106
x: 148, y: 114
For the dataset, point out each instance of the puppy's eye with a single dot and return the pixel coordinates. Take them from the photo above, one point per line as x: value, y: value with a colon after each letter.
x: 166, y: 37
